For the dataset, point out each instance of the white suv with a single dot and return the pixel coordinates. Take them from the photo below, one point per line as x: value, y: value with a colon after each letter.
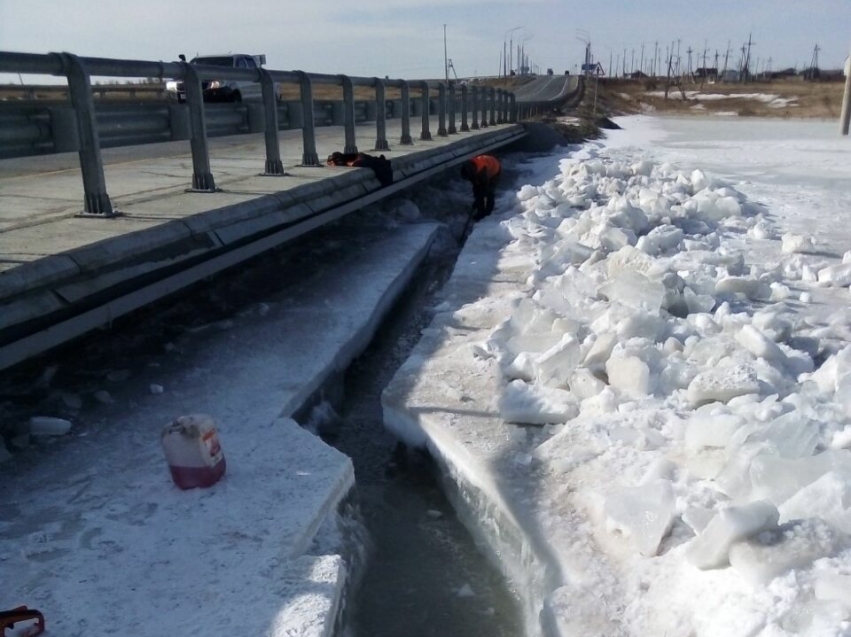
x: 222, y: 90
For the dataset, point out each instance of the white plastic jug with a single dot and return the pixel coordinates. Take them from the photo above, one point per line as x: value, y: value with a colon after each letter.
x: 192, y: 449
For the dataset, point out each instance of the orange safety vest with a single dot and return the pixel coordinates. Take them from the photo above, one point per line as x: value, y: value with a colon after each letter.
x: 486, y: 164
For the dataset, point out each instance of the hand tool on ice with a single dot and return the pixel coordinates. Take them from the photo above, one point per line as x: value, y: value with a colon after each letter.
x: 469, y: 221
x: 8, y: 619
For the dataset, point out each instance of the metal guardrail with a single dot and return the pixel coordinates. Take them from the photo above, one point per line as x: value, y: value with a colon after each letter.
x: 78, y: 127
x: 102, y: 91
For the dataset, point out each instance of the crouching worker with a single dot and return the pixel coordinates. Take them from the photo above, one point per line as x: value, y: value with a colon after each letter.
x: 483, y: 172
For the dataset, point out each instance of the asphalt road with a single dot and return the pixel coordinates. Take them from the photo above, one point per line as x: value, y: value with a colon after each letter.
x: 545, y: 88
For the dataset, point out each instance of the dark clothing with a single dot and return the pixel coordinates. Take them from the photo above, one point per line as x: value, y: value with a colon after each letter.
x: 379, y: 165
x: 483, y: 172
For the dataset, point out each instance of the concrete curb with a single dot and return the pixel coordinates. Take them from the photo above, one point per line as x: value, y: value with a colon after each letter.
x: 38, y: 296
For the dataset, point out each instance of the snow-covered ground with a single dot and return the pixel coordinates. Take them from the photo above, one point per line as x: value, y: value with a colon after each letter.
x: 638, y: 382
x: 773, y: 101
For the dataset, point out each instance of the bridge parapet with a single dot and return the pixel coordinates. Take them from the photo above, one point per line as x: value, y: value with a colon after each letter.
x: 86, y: 129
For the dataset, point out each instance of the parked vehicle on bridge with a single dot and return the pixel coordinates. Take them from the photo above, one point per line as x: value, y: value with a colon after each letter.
x: 222, y: 90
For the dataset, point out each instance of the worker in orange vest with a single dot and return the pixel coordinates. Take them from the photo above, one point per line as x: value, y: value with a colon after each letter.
x: 483, y: 172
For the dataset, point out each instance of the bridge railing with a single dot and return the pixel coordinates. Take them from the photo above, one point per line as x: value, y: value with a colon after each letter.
x: 79, y: 127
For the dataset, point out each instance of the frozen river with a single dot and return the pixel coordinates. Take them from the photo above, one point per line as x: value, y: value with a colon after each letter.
x: 637, y: 382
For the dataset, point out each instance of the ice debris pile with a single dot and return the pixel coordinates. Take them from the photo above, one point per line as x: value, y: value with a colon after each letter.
x: 683, y: 395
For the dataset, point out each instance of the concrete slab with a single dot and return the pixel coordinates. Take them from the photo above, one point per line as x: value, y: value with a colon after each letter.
x: 96, y: 536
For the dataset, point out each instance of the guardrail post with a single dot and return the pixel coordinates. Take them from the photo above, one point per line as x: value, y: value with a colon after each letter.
x: 485, y: 93
x: 452, y: 129
x: 497, y: 103
x: 475, y: 125
x: 513, y: 116
x: 492, y: 119
x: 845, y: 113
x: 441, y: 110
x: 349, y: 114
x: 97, y: 202
x: 464, y: 108
x: 406, y: 140
x: 202, y: 178
x: 178, y: 122
x: 380, y: 117
x: 425, y: 135
x: 500, y: 115
x: 308, y: 127
x: 274, y: 165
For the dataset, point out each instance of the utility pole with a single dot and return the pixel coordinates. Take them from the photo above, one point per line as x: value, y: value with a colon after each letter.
x: 748, y: 59
x: 655, y: 53
x: 618, y: 64
x: 632, y: 63
x: 624, y: 62
x: 678, y: 58
x: 726, y: 57
x: 845, y: 118
x: 814, y: 63
x: 506, y: 50
x: 445, y: 57
x: 610, y: 63
x: 641, y: 66
x: 689, y: 72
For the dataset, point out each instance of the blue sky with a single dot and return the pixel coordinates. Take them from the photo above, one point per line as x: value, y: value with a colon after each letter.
x: 404, y: 38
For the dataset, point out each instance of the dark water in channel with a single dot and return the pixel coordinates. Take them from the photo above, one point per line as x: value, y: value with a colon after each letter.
x: 424, y: 576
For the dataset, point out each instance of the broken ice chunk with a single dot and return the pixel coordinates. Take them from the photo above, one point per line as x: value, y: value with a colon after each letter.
x: 49, y: 426
x: 556, y: 364
x: 778, y: 479
x: 828, y: 498
x: 698, y: 517
x: 722, y: 384
x: 631, y: 375
x: 522, y: 367
x: 711, y: 548
x: 712, y: 206
x: 753, y: 289
x: 613, y: 239
x: 644, y: 514
x: 792, y: 243
x: 711, y: 429
x: 835, y: 275
x: 698, y: 303
x: 790, y: 435
x: 635, y: 291
x: 534, y: 405
x: 833, y: 587
x: 760, y: 345
x: 794, y: 545
x: 660, y: 239
x: 583, y: 384
x: 600, y: 351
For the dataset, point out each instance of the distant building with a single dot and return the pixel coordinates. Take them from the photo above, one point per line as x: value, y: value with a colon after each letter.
x: 783, y: 74
x: 638, y: 75
x: 730, y: 75
x: 705, y: 73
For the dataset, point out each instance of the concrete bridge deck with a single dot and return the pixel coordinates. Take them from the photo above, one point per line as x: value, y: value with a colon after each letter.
x: 62, y: 275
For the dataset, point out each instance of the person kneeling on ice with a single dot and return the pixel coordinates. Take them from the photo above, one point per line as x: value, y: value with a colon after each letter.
x: 483, y: 172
